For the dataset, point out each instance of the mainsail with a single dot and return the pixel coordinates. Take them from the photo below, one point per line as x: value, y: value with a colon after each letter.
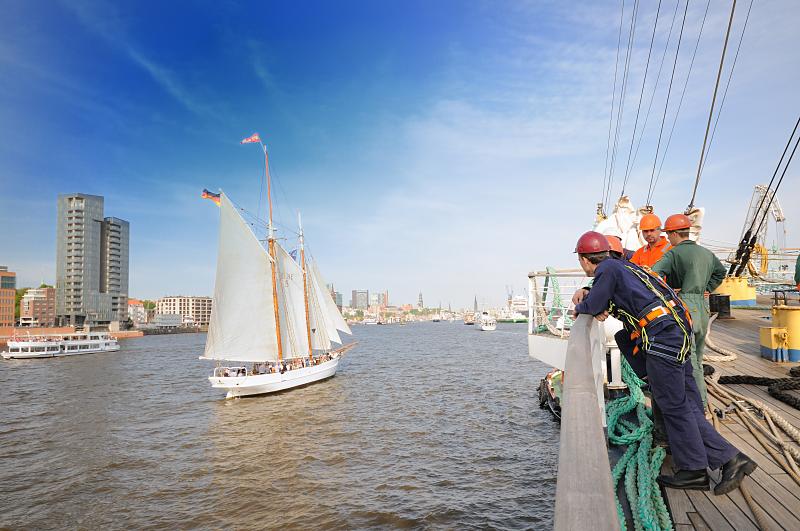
x: 242, y: 326
x: 294, y: 335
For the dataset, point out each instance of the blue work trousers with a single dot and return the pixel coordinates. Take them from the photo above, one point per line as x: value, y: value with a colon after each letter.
x: 694, y: 442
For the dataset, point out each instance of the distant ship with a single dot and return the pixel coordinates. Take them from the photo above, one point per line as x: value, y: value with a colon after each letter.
x: 487, y: 322
x: 57, y: 345
x: 469, y: 318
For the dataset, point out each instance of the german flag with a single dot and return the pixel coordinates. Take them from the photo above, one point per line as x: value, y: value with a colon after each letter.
x: 210, y: 195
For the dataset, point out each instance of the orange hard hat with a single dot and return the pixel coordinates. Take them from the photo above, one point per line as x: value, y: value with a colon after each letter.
x: 592, y: 242
x: 615, y: 244
x: 677, y: 222
x: 649, y: 222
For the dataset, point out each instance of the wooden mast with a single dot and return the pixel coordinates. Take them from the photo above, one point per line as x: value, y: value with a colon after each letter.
x: 271, y: 240
x: 305, y: 287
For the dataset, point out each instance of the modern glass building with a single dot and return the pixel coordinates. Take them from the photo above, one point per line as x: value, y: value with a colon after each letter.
x: 91, y: 263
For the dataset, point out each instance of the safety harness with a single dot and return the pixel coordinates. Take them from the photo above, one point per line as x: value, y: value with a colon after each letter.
x: 669, y: 306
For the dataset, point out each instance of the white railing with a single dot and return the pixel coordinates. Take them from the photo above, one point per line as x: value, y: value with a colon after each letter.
x: 550, y: 300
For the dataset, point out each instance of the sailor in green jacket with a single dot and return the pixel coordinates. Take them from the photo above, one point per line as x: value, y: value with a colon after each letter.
x: 797, y: 273
x: 692, y: 270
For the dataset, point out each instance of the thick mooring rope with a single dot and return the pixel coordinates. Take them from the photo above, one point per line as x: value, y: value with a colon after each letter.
x: 725, y: 354
x: 641, y: 463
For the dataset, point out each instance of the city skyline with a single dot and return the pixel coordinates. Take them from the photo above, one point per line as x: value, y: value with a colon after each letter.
x: 429, y: 148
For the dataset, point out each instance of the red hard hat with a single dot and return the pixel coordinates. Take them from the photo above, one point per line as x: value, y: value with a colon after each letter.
x: 615, y: 244
x: 677, y: 222
x: 649, y: 222
x: 592, y: 242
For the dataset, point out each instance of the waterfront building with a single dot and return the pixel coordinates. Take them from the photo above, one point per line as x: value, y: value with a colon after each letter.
x: 167, y: 320
x: 8, y: 293
x: 193, y: 310
x: 338, y: 299
x: 38, y: 307
x: 91, y: 263
x: 360, y: 299
x: 136, y: 312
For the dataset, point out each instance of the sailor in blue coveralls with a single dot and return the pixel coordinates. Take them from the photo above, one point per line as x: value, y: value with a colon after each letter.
x: 660, y: 332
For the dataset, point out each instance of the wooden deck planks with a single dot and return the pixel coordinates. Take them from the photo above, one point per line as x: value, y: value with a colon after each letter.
x: 770, y: 487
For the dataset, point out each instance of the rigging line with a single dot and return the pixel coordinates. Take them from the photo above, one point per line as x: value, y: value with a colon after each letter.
x: 613, y: 100
x: 775, y: 173
x: 727, y: 85
x: 666, y: 103
x: 655, y: 86
x: 683, y: 93
x: 713, y: 102
x: 621, y: 106
x: 778, y: 185
x: 639, y: 106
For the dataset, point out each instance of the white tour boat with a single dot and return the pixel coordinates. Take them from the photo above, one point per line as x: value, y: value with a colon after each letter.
x: 56, y: 345
x: 487, y: 322
x: 273, y: 316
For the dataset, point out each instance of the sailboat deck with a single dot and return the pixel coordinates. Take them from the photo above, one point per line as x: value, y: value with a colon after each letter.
x: 769, y: 486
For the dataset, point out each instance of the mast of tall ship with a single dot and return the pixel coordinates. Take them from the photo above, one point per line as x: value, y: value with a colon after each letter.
x: 271, y: 244
x: 305, y: 285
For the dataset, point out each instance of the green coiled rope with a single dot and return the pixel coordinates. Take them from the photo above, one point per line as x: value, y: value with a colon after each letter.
x: 558, y: 303
x: 641, y: 463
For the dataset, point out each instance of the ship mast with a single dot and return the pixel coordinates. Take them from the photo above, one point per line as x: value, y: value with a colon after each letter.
x: 271, y: 244
x: 305, y: 286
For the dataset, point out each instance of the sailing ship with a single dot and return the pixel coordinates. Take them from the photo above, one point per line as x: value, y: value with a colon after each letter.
x: 272, y: 316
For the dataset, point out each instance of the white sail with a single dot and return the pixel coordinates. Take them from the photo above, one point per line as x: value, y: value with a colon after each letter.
x: 321, y: 312
x: 242, y: 326
x: 320, y: 340
x: 294, y: 334
x: 333, y: 314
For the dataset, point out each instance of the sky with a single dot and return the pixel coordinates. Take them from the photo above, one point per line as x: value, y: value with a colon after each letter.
x: 441, y: 147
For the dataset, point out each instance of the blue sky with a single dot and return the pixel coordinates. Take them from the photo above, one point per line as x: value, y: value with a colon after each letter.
x: 442, y: 147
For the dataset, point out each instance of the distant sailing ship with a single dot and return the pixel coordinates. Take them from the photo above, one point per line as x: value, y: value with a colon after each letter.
x: 271, y: 314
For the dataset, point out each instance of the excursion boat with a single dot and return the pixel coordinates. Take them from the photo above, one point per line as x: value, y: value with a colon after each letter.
x: 273, y: 317
x: 487, y: 322
x: 57, y: 345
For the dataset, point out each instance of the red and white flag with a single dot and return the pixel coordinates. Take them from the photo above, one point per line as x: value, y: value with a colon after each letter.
x: 251, y: 139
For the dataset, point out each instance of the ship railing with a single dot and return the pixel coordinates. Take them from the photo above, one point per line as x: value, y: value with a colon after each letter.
x: 584, y: 491
x: 550, y: 300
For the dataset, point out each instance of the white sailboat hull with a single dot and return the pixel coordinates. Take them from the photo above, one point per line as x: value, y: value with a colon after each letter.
x: 260, y: 384
x: 488, y: 327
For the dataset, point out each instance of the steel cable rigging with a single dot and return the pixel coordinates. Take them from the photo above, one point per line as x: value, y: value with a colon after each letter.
x: 711, y: 110
x: 666, y: 104
x: 621, y: 106
x: 748, y: 242
x: 639, y: 106
x: 727, y: 85
x: 683, y: 93
x: 613, y: 101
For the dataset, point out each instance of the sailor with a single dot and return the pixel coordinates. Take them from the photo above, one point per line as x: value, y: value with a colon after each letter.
x: 691, y: 270
x: 658, y: 325
x: 614, y: 233
x: 656, y: 245
x: 797, y: 273
x: 615, y: 248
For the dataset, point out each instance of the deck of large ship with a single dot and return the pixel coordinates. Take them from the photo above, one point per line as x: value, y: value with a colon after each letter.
x: 769, y: 486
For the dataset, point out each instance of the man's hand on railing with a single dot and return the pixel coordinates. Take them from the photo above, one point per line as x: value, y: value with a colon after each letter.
x: 579, y: 295
x: 602, y: 316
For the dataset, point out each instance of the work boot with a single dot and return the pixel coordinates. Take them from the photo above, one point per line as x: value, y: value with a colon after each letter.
x: 686, y: 480
x: 733, y: 472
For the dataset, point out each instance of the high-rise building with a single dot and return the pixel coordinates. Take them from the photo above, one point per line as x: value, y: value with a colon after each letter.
x: 338, y: 299
x: 38, y: 306
x: 380, y: 298
x: 8, y: 293
x: 360, y: 299
x: 91, y: 263
x: 419, y: 302
x: 193, y: 310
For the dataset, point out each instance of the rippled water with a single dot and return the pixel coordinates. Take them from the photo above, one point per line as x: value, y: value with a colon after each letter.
x: 430, y: 425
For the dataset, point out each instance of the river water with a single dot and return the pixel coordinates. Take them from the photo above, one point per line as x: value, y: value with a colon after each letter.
x: 425, y: 426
